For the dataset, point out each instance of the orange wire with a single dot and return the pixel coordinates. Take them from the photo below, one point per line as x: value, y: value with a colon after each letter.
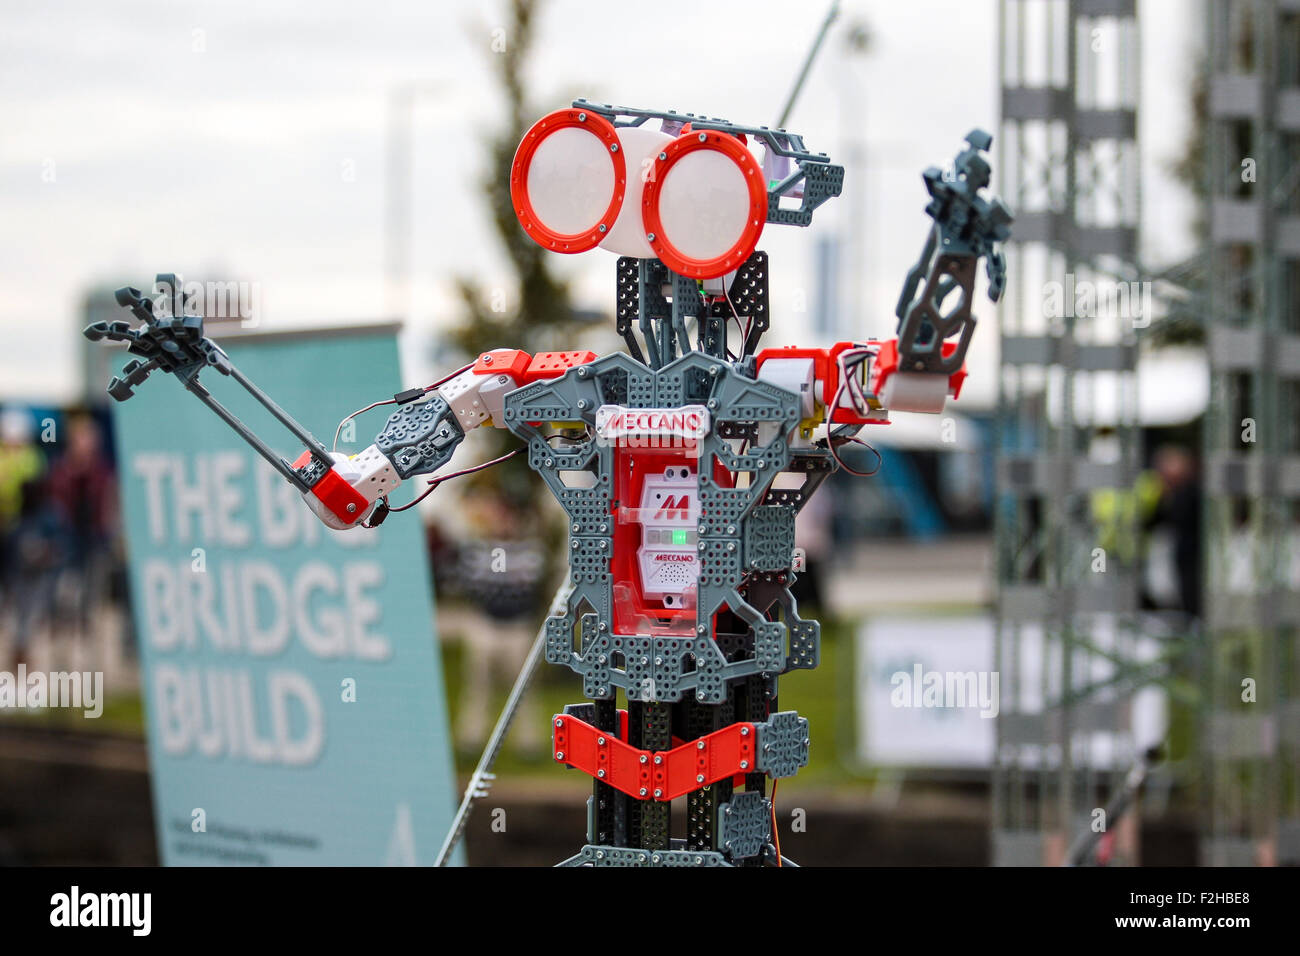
x: 776, y: 835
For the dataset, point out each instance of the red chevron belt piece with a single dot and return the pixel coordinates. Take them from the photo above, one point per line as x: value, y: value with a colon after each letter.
x: 650, y: 774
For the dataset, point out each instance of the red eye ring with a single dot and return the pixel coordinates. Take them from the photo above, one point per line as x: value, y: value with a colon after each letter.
x: 670, y: 255
x: 543, y: 235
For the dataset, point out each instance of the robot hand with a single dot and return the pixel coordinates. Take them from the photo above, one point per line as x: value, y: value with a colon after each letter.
x: 932, y: 337
x: 343, y: 491
x: 174, y: 343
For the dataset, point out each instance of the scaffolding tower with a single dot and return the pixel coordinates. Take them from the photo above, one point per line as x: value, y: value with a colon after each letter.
x: 1251, y: 719
x: 1067, y: 547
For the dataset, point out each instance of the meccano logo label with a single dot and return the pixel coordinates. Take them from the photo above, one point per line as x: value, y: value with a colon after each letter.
x: 658, y: 427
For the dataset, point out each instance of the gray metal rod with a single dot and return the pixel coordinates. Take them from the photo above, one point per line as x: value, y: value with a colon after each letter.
x: 259, y: 446
x: 318, y: 450
x: 831, y: 14
x: 1088, y: 839
x: 481, y: 780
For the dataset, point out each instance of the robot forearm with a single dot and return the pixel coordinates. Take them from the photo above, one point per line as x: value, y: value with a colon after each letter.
x: 422, y: 435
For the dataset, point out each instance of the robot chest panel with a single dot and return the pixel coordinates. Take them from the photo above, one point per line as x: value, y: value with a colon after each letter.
x: 668, y: 513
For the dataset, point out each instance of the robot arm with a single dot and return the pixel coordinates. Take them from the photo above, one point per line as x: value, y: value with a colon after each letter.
x: 858, y: 383
x: 418, y: 439
x: 916, y: 371
x: 344, y: 491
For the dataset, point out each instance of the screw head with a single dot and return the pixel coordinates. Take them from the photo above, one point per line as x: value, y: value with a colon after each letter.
x: 658, y: 793
x: 703, y: 137
x: 601, y: 773
x: 352, y: 508
x: 600, y: 741
x: 699, y: 778
x: 582, y: 117
x: 643, y: 791
x: 744, y: 731
x: 658, y: 759
x: 744, y: 765
x: 559, y: 755
x: 559, y: 721
x: 699, y: 745
x: 650, y: 237
x: 644, y: 758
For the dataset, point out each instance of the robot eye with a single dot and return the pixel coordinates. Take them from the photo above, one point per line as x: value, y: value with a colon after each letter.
x: 705, y: 204
x: 568, y: 180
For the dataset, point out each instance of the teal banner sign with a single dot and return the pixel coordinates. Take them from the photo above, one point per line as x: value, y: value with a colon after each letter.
x: 290, y: 673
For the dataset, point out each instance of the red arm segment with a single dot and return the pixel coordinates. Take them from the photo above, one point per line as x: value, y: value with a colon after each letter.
x: 874, y: 384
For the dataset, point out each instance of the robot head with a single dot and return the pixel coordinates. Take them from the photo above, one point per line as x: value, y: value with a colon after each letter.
x: 690, y: 193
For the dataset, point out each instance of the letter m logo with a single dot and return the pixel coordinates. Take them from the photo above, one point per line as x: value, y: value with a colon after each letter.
x: 675, y: 508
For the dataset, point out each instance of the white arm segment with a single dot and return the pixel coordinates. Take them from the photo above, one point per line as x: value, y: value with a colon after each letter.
x: 370, y: 473
x: 473, y: 398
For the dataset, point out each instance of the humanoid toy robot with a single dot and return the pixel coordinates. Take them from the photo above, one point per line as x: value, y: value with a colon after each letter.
x: 681, y: 463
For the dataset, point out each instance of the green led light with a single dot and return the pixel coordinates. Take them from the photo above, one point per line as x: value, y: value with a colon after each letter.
x: 679, y: 537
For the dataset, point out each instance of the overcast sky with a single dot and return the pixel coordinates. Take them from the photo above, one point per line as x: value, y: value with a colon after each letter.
x: 247, y: 140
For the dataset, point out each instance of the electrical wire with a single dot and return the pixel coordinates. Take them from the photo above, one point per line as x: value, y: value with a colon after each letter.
x: 776, y: 834
x: 742, y: 329
x: 388, y: 401
x: 435, y: 481
x: 849, y: 361
x: 832, y: 444
x: 393, y: 401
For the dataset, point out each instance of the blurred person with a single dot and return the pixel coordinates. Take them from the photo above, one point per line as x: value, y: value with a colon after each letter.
x: 20, y: 462
x: 1180, y: 509
x: 501, y: 571
x: 1122, y: 516
x: 83, y: 495
x: 39, y: 551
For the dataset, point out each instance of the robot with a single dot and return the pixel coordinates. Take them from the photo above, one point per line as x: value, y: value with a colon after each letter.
x: 681, y: 463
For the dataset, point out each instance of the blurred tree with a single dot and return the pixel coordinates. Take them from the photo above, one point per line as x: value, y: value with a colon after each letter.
x: 1185, y: 322
x: 537, y: 315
